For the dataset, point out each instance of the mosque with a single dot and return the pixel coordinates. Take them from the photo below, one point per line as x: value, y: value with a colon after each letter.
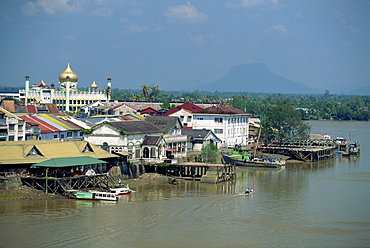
x: 67, y: 97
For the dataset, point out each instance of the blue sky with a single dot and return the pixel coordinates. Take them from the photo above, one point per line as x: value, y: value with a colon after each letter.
x: 181, y: 44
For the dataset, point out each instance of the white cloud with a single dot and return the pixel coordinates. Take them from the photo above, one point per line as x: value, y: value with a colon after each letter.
x: 51, y: 7
x: 280, y: 29
x: 186, y: 14
x: 133, y: 27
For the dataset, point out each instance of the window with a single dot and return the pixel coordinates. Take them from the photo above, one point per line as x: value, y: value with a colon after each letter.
x: 11, y: 138
x: 69, y: 134
x: 11, y: 126
x: 62, y: 136
x: 199, y: 118
x: 189, y: 118
x: 55, y: 136
x: 219, y: 131
x: 218, y: 120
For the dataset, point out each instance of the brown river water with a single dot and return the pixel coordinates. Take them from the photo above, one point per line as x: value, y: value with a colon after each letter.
x: 321, y: 204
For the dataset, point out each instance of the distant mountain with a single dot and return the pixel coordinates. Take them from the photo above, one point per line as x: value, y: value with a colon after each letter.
x: 256, y: 78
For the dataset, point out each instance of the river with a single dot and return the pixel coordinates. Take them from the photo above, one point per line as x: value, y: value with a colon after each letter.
x: 321, y: 204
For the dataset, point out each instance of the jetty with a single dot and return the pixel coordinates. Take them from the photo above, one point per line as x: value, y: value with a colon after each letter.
x: 304, y: 150
x: 61, y: 185
x: 203, y: 172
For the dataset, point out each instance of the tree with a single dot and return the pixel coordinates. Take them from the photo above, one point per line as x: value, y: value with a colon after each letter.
x: 210, y: 154
x: 154, y: 92
x: 145, y: 91
x: 283, y: 122
x: 108, y: 92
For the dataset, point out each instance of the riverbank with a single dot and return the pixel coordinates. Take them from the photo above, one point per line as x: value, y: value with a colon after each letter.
x: 25, y: 193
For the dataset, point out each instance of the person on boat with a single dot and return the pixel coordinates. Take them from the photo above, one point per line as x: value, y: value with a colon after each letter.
x: 247, y: 191
x: 252, y: 190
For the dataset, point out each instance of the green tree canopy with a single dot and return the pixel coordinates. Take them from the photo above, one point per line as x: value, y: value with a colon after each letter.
x: 283, y: 122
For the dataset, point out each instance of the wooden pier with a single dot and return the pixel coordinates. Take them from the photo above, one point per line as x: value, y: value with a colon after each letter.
x: 308, y: 151
x: 62, y: 185
x: 204, y: 172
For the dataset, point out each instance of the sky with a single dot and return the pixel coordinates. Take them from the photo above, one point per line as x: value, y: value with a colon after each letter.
x: 179, y: 45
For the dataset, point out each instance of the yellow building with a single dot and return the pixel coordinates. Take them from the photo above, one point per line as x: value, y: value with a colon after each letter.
x: 67, y: 96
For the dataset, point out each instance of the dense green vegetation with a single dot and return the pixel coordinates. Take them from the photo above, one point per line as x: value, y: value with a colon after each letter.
x: 320, y: 106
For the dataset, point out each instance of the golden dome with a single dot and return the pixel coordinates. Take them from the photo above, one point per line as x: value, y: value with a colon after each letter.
x: 93, y: 85
x: 68, y: 73
x: 42, y: 84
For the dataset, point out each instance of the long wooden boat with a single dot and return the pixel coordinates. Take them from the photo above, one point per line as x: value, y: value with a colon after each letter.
x: 95, y: 195
x: 256, y: 162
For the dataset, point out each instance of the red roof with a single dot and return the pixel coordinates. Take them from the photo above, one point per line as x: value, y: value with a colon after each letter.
x: 187, y: 106
x: 222, y: 109
x: 31, y: 109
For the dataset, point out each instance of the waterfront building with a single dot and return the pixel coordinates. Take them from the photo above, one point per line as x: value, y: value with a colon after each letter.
x: 197, y: 139
x: 67, y: 96
x: 129, y: 138
x: 228, y: 123
x: 23, y: 154
x: 185, y: 113
x: 176, y: 142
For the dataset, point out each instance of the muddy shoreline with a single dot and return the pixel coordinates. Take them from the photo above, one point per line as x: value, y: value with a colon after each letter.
x: 25, y: 193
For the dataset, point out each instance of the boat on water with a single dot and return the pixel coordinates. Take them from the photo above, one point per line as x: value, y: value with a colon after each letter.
x: 245, y: 159
x: 95, y: 195
x: 251, y: 192
x: 121, y: 189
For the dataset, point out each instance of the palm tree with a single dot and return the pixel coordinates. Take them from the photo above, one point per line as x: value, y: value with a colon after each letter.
x: 145, y: 91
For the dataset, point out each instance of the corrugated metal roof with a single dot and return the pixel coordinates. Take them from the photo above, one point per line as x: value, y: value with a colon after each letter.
x: 68, y: 162
x: 56, y: 120
x: 44, y: 127
x: 51, y: 123
x: 17, y: 152
x: 222, y: 109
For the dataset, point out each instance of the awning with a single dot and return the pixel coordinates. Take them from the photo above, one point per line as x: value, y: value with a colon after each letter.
x: 68, y: 162
x: 214, y: 140
x: 123, y: 153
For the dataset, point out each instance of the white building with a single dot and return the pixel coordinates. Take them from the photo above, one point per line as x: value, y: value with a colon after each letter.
x: 67, y: 97
x: 12, y: 128
x: 139, y: 139
x: 228, y: 123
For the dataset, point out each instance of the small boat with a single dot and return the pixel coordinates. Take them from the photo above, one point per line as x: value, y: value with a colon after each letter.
x: 250, y: 192
x: 95, y: 195
x: 121, y: 189
x: 262, y: 161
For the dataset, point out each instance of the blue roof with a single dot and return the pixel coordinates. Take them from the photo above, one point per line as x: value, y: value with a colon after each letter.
x: 9, y: 91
